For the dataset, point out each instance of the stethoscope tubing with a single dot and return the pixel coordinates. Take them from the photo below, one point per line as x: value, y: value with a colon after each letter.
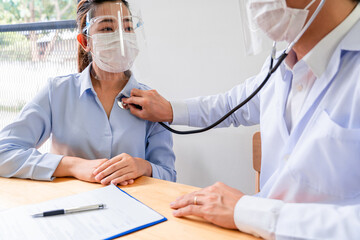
x: 257, y: 90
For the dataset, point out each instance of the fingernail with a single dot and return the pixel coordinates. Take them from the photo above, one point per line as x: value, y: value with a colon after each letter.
x: 175, y: 213
x: 172, y: 203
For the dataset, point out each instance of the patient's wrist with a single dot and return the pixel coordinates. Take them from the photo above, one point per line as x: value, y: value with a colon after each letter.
x: 67, y: 167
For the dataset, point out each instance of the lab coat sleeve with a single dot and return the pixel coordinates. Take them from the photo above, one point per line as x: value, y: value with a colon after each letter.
x: 180, y: 113
x: 203, y: 111
x: 274, y: 219
x: 20, y: 140
x: 159, y: 152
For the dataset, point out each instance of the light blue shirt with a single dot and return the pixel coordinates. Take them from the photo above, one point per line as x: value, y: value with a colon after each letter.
x: 317, y: 162
x: 69, y: 111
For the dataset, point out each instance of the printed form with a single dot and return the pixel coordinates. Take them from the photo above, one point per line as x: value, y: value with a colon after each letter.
x: 122, y: 214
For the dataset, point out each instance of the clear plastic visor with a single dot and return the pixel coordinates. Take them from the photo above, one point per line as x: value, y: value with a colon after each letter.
x: 115, y: 36
x: 255, y: 39
x: 110, y: 17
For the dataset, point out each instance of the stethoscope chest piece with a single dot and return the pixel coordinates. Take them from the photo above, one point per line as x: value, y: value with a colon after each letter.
x: 120, y: 102
x: 123, y: 105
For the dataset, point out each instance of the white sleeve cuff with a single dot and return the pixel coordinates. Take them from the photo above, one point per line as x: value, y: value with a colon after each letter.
x: 180, y: 113
x: 257, y: 216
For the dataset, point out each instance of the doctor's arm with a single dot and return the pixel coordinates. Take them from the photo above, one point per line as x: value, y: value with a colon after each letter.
x: 274, y: 219
x: 200, y: 111
x: 270, y: 218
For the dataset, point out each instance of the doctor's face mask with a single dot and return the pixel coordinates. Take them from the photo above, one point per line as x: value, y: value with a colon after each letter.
x: 111, y: 31
x: 278, y: 21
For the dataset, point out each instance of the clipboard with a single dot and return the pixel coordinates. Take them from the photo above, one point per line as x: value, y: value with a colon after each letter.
x: 123, y: 214
x: 140, y: 227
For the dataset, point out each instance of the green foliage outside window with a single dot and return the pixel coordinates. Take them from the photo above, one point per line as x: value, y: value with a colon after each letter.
x: 21, y: 46
x: 25, y: 11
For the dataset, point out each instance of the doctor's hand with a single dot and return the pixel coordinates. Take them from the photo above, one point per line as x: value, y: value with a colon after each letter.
x: 215, y: 204
x: 122, y: 169
x: 154, y: 107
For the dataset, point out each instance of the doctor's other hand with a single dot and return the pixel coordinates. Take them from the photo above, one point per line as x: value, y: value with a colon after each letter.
x: 122, y: 169
x: 215, y: 204
x: 154, y: 107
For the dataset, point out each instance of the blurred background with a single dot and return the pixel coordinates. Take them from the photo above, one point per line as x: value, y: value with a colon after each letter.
x: 194, y: 48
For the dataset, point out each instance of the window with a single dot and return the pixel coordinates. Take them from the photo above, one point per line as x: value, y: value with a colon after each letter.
x: 36, y: 42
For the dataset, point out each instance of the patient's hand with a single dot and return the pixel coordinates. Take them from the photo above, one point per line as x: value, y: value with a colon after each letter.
x: 122, y: 169
x: 84, y: 170
x: 79, y: 168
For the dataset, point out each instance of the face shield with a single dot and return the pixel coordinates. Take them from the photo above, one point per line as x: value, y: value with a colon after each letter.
x: 255, y: 40
x: 115, y: 36
x: 275, y: 19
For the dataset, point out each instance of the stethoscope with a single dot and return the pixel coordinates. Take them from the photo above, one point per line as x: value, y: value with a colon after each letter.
x: 123, y: 105
x: 120, y: 102
x: 272, y: 69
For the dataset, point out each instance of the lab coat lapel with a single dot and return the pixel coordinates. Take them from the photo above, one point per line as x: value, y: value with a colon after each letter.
x: 350, y: 42
x: 314, y: 98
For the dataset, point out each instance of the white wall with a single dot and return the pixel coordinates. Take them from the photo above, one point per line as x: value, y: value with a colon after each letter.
x: 195, y: 48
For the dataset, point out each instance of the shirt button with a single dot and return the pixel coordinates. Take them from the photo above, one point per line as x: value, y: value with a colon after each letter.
x: 299, y: 87
x: 286, y: 157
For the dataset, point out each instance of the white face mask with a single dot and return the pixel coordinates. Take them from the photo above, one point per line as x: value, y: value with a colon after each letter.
x: 277, y: 20
x: 107, y: 52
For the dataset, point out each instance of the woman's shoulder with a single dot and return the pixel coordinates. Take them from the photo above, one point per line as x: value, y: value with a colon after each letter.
x: 144, y: 86
x: 70, y: 80
x: 65, y: 79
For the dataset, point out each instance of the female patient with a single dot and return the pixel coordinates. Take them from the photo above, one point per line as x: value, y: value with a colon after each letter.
x: 92, y: 138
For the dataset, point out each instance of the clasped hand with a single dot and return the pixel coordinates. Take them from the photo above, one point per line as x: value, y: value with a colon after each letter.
x: 122, y: 169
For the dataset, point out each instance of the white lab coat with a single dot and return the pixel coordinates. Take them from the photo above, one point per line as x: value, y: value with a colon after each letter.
x: 319, y: 161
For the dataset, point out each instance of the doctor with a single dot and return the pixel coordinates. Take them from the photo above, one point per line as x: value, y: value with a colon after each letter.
x: 310, y: 125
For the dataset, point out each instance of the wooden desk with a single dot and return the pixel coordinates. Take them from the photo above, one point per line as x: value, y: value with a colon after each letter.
x: 153, y: 192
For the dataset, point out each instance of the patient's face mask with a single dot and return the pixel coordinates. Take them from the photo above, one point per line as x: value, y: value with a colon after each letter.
x: 108, y: 53
x: 277, y: 20
x: 112, y: 36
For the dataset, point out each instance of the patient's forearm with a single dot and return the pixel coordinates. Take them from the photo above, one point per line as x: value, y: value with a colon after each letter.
x: 67, y: 167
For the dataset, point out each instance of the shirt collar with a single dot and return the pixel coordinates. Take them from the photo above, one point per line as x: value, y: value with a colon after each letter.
x: 132, y: 83
x: 319, y: 57
x: 85, y: 80
x: 85, y: 83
